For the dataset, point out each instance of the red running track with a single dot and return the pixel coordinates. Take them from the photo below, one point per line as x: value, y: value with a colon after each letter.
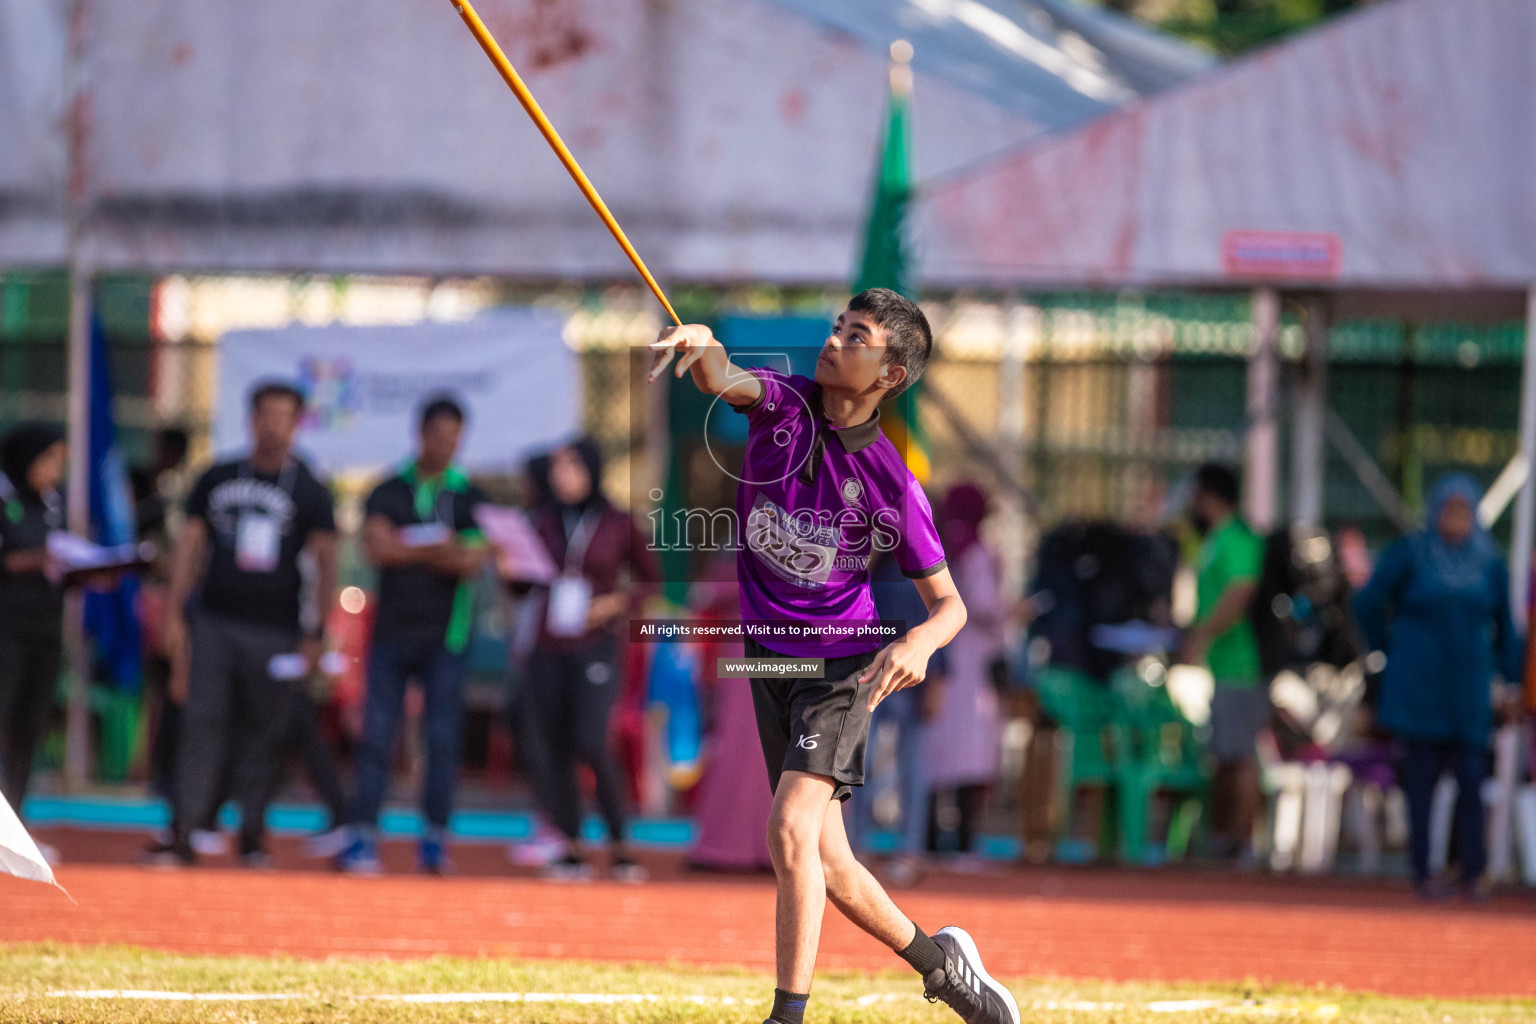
x: 1125, y: 926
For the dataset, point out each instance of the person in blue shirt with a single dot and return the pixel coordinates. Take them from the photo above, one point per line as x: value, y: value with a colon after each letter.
x: 1438, y: 606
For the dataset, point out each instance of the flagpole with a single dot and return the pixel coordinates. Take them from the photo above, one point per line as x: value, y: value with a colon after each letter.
x: 77, y: 721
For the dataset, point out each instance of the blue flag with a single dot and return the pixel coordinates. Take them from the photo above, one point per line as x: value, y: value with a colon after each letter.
x: 111, y: 617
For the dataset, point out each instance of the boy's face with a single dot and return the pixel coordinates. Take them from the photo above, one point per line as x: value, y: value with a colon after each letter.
x: 853, y: 359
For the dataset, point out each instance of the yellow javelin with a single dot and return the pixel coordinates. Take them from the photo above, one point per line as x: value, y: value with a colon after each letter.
x: 515, y: 83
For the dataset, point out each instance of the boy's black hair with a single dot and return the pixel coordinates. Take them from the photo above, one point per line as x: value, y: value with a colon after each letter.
x: 276, y: 388
x: 441, y: 405
x: 1219, y: 481
x: 908, y: 338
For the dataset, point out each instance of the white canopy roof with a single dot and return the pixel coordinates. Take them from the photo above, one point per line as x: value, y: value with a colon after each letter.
x: 734, y: 139
x: 1392, y: 149
x: 32, y: 140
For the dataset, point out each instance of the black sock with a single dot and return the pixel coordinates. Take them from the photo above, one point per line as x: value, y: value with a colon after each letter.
x: 788, y: 1007
x: 922, y: 953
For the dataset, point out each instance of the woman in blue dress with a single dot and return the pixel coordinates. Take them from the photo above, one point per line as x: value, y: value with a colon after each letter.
x: 1438, y: 605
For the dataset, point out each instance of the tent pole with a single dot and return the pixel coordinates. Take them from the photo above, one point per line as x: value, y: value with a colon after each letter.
x: 1525, y: 505
x: 1261, y: 464
x: 1308, y: 412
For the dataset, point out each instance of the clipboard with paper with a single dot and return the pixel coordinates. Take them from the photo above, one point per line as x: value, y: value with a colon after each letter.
x: 520, y: 553
x: 78, y: 558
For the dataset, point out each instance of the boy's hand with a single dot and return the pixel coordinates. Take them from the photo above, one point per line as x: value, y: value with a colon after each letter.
x: 698, y: 351
x: 689, y: 343
x: 897, y: 666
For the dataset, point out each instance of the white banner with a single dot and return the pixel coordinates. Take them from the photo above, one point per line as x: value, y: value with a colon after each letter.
x: 511, y: 368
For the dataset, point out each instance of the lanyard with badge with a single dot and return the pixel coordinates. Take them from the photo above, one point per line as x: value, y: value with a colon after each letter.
x: 53, y: 512
x: 259, y: 533
x: 570, y: 593
x: 434, y: 523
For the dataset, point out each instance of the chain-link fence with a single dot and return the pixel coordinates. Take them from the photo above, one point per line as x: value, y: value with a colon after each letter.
x: 1112, y: 399
x: 1093, y: 403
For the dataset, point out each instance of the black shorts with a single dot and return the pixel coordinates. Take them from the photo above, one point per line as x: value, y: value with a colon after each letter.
x: 819, y: 726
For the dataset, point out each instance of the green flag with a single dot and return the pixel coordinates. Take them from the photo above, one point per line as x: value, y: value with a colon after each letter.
x: 884, y: 264
x: 885, y: 259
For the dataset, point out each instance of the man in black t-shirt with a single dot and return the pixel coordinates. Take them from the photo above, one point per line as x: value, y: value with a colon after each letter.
x: 420, y: 533
x: 247, y: 523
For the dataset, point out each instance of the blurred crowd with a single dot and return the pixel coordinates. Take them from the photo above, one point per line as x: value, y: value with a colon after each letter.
x: 1198, y: 690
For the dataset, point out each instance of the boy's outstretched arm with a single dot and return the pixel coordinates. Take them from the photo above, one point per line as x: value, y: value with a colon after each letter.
x: 904, y: 663
x: 698, y: 351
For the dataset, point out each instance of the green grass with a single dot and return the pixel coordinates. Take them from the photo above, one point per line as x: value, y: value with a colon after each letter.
x: 338, y: 991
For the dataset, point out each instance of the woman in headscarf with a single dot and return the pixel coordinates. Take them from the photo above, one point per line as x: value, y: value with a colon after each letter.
x: 32, y: 462
x: 573, y: 670
x: 1438, y: 605
x: 963, y: 731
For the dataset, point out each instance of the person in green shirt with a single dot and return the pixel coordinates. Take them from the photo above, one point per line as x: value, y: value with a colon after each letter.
x: 1221, y: 637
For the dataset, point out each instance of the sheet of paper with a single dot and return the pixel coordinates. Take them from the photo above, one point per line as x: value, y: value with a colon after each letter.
x: 520, y: 553
x: 287, y: 667
x: 75, y: 553
x: 424, y: 535
x: 1134, y: 638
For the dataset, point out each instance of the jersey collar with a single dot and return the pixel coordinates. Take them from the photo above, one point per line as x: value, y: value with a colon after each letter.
x: 852, y: 439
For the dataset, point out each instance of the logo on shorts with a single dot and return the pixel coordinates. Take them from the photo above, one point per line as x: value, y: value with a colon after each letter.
x: 852, y: 491
x: 808, y: 742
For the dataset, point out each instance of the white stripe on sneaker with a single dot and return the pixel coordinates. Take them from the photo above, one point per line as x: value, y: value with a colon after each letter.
x: 971, y: 959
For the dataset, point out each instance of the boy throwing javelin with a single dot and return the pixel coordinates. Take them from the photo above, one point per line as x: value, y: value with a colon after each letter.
x: 821, y: 489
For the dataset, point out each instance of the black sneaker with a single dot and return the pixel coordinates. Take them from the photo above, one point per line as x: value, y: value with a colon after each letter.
x: 168, y: 854
x: 964, y: 985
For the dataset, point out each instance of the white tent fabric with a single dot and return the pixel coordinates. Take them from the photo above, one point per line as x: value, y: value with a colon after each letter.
x: 32, y: 139
x: 1397, y: 143
x: 19, y: 855
x: 733, y: 138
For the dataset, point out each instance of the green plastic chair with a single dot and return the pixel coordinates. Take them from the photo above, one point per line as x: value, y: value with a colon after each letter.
x: 118, y: 716
x: 1083, y: 708
x: 1159, y: 753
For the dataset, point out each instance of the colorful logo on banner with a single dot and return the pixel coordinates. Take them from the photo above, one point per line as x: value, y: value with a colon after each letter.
x: 1292, y: 255
x: 330, y: 385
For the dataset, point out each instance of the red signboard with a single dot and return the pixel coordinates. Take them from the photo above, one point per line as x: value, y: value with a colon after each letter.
x: 1306, y: 255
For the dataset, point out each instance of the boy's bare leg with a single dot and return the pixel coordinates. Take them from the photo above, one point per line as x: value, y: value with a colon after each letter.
x: 854, y: 891
x: 814, y: 862
x: 794, y: 840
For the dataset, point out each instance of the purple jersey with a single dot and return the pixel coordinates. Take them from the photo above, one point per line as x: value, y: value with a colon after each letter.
x: 815, y: 503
